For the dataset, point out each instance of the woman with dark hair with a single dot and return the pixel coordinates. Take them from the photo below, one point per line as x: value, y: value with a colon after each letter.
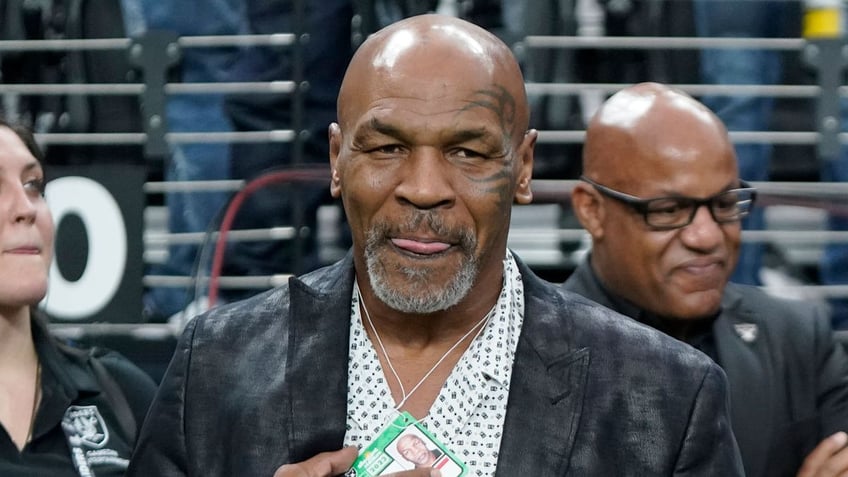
x: 63, y: 411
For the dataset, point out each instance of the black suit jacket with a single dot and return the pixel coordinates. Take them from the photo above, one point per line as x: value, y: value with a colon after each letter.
x: 787, y: 374
x: 260, y: 383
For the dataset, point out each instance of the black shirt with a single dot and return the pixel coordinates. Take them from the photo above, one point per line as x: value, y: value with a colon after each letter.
x: 72, y: 391
x: 697, y: 333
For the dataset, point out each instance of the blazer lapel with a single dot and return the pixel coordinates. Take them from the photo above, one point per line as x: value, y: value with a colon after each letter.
x: 317, y: 367
x: 545, y: 394
x: 748, y: 368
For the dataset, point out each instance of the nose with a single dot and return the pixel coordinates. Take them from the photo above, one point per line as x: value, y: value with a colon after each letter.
x: 425, y: 182
x: 704, y: 233
x: 23, y: 208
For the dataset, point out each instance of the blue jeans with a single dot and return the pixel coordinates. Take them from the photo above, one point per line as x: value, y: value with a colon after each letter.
x: 743, y: 18
x: 190, y: 211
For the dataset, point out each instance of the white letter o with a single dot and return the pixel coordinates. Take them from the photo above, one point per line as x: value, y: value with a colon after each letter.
x: 107, y: 248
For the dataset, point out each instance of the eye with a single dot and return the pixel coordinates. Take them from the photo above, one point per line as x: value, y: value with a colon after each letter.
x: 387, y: 150
x: 468, y: 154
x: 670, y: 207
x: 35, y: 186
x: 726, y: 201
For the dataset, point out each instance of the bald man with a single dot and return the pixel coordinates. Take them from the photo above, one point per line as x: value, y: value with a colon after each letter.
x: 430, y: 314
x: 662, y: 200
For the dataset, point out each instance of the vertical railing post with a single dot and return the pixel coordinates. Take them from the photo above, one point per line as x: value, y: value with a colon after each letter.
x: 827, y: 52
x: 299, y: 126
x: 154, y: 53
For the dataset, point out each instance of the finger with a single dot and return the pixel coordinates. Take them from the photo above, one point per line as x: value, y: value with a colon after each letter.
x: 818, y: 462
x: 417, y: 473
x: 325, y: 464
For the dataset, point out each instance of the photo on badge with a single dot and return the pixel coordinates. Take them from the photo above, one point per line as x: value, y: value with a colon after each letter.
x: 405, y: 445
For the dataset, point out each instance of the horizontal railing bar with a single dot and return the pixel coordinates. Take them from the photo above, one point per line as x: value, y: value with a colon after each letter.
x: 807, y: 189
x: 111, y: 139
x: 134, y: 89
x: 64, y: 44
x: 229, y: 282
x: 823, y: 291
x: 547, y: 187
x: 271, y: 281
x: 200, y: 41
x: 542, y: 235
x: 226, y: 185
x: 286, y: 135
x: 782, y: 91
x: 278, y: 87
x: 277, y: 135
x: 204, y: 41
x: 238, y: 235
x: 662, y: 43
x: 748, y: 137
x: 142, y: 331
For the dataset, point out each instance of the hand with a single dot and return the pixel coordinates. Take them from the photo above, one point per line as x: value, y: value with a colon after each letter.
x: 329, y: 464
x: 829, y: 458
x: 325, y: 464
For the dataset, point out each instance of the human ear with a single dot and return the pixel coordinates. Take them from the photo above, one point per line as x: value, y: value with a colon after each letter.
x: 334, y: 133
x: 588, y: 206
x: 523, y: 192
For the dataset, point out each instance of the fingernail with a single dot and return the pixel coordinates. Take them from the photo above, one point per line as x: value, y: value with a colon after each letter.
x: 435, y: 473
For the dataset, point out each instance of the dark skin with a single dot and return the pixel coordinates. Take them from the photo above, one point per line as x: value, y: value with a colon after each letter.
x: 430, y: 152
x: 652, y: 141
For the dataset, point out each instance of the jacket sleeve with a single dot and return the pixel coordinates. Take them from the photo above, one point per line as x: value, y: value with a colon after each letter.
x: 832, y: 376
x: 161, y: 446
x: 709, y: 447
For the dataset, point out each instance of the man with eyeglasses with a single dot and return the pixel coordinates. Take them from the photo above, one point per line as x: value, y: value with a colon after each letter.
x: 661, y: 198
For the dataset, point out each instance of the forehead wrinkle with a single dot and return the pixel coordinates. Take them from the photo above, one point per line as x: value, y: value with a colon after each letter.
x: 454, y: 135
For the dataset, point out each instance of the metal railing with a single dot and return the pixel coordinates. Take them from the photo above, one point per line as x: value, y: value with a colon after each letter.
x: 811, y: 194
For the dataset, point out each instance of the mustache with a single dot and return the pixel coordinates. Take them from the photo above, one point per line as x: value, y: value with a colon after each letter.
x: 429, y: 221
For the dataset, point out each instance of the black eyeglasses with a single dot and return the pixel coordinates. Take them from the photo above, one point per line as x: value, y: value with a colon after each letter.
x: 666, y: 213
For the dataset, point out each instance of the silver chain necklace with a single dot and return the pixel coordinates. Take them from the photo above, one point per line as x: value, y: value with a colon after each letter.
x: 404, y: 395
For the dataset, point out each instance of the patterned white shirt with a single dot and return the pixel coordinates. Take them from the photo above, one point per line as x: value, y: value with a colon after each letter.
x: 468, y: 415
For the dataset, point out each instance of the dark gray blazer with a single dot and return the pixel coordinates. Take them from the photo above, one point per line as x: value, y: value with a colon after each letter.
x: 788, y: 377
x: 260, y: 383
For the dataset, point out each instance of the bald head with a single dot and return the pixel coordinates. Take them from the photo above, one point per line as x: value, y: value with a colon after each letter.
x: 651, y: 144
x: 430, y: 56
x: 647, y: 124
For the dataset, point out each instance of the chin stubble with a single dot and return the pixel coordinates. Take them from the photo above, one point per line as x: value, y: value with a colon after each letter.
x: 420, y: 294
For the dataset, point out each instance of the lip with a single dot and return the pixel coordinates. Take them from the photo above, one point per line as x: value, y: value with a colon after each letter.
x: 23, y: 250
x: 421, y: 245
x: 703, y: 273
x: 702, y: 265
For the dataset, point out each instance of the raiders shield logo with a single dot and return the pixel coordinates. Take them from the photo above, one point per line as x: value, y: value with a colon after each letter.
x: 84, y: 426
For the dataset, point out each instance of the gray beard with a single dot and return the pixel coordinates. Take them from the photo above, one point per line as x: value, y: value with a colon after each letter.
x: 420, y: 295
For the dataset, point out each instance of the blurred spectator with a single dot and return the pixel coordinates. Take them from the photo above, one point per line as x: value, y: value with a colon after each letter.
x: 190, y: 211
x: 761, y: 19
x: 743, y: 19
x: 324, y: 56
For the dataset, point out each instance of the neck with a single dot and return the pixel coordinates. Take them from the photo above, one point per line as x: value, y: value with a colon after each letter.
x: 16, y: 345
